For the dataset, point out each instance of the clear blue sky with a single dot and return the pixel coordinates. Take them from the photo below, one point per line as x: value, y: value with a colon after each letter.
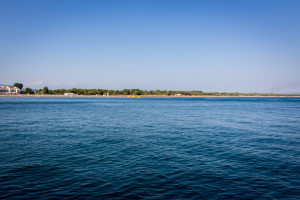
x: 223, y: 46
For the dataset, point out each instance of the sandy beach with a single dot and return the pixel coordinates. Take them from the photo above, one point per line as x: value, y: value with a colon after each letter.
x: 146, y: 96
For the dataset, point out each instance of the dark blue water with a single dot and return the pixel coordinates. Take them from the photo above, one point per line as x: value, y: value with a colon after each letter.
x: 150, y: 148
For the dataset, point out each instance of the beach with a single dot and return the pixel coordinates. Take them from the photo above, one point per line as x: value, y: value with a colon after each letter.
x: 150, y: 96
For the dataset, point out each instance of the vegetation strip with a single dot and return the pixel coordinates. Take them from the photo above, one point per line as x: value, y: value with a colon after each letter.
x: 138, y: 92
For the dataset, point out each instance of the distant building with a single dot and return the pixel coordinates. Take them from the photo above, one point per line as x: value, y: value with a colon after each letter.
x: 69, y: 94
x: 177, y: 94
x: 9, y: 90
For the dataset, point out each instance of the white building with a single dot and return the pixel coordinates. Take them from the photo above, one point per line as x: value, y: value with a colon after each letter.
x: 70, y: 94
x: 9, y: 90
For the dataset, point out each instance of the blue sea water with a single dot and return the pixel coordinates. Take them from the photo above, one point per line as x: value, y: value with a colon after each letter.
x: 149, y: 148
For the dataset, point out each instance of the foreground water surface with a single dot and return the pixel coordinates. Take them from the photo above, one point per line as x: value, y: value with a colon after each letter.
x: 150, y: 148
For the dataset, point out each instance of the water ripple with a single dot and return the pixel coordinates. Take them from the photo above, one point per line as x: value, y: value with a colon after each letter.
x: 156, y: 148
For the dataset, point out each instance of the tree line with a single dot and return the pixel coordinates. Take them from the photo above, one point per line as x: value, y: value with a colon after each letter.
x: 153, y: 92
x: 79, y: 91
x: 28, y: 90
x: 123, y: 92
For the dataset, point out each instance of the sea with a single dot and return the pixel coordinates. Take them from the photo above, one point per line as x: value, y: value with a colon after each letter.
x: 149, y: 148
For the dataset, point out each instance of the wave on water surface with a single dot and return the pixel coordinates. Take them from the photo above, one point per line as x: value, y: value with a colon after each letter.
x: 150, y: 148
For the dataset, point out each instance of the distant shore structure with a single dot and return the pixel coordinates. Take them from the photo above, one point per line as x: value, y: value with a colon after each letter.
x: 9, y: 90
x: 70, y: 94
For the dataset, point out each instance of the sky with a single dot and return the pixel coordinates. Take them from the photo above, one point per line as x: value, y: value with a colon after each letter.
x: 207, y: 45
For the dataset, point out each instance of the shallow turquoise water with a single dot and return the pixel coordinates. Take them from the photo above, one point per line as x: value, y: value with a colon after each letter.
x: 150, y: 148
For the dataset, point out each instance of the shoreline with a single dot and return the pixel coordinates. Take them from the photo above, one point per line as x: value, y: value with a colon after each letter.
x: 152, y: 96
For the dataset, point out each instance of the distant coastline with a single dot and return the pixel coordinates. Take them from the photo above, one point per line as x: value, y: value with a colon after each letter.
x: 151, y: 96
x: 16, y: 91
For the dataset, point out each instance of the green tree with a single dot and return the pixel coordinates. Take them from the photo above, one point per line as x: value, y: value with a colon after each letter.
x: 18, y: 85
x: 136, y: 91
x: 28, y: 91
x: 45, y: 90
x: 126, y: 91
